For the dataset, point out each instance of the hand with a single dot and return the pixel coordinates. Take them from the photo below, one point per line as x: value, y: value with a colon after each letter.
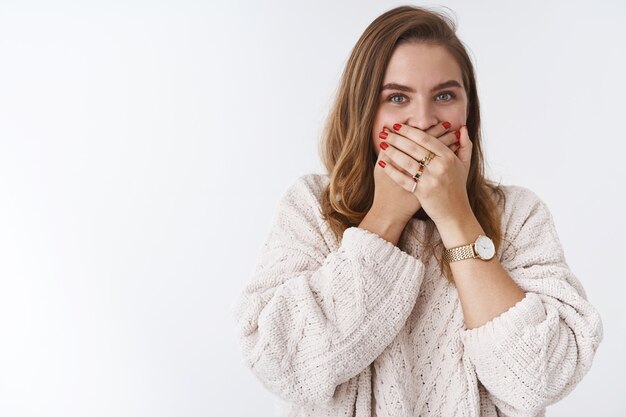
x: 441, y: 190
x: 392, y: 193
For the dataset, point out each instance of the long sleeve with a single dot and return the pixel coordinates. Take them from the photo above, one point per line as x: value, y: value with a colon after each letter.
x: 535, y: 353
x: 311, y: 318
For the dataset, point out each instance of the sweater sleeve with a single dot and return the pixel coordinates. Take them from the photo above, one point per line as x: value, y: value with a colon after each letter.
x: 311, y: 318
x: 535, y: 353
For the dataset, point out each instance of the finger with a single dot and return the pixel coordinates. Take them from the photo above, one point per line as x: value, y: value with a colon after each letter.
x: 388, y: 160
x: 417, y: 152
x: 422, y: 139
x: 439, y: 129
x: 399, y: 178
x: 400, y: 159
x: 412, y: 149
x: 405, y: 145
x: 450, y: 138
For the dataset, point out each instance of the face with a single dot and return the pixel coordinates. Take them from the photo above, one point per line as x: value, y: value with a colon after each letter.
x: 412, y: 91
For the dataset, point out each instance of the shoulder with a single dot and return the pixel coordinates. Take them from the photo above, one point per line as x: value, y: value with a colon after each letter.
x: 302, y: 197
x: 519, y: 199
x: 523, y: 209
x: 306, y: 188
x: 298, y: 215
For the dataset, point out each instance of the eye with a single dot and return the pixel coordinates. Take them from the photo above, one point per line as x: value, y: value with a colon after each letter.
x: 446, y: 93
x: 391, y: 98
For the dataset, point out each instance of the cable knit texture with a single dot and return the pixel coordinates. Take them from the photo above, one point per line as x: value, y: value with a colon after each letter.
x: 360, y: 327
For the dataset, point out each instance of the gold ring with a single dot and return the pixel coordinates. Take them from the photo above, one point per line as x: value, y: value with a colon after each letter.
x: 426, y: 161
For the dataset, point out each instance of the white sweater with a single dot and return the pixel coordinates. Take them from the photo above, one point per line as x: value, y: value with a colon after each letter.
x: 362, y: 328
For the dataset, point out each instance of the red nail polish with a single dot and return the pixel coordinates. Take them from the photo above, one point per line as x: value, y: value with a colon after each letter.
x: 457, y: 134
x: 397, y: 126
x: 447, y: 125
x: 382, y: 163
x: 383, y: 145
x: 382, y: 135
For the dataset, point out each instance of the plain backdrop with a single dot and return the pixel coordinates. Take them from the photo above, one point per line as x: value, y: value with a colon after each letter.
x: 144, y: 147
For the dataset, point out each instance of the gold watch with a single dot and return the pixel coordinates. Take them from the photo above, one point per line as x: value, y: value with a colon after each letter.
x: 483, y: 249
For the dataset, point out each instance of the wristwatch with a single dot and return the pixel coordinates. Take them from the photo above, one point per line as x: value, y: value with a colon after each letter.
x: 483, y: 249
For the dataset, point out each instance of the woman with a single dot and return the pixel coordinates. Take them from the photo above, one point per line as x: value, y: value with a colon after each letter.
x: 403, y: 282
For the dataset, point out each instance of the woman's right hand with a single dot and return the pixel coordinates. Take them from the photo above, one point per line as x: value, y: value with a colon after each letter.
x: 393, y: 202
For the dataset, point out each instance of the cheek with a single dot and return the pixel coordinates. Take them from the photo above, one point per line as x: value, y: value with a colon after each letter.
x: 456, y: 116
x: 376, y: 128
x: 462, y: 112
x: 381, y: 120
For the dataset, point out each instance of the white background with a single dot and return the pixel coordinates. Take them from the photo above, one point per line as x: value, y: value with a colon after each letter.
x: 144, y: 146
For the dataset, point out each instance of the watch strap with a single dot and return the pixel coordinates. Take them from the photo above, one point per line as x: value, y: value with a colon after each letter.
x: 459, y: 253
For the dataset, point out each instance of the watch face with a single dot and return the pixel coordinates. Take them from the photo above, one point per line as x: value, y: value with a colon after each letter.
x: 484, y: 248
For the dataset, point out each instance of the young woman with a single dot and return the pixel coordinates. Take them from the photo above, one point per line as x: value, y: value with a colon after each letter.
x: 403, y: 282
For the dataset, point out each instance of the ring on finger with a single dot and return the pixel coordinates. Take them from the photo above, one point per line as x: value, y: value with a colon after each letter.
x: 419, y: 172
x: 425, y: 161
x: 429, y: 158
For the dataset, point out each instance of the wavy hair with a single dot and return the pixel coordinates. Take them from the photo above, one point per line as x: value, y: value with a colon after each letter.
x: 346, y: 148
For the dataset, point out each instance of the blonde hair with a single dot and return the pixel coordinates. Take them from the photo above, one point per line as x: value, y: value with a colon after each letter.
x: 346, y: 147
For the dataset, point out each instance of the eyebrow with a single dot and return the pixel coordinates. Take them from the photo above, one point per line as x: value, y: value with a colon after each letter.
x: 400, y: 87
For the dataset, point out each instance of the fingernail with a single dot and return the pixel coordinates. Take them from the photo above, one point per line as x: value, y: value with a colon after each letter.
x: 397, y: 126
x: 384, y: 145
x: 457, y: 134
x: 382, y: 135
x: 447, y: 125
x: 382, y: 163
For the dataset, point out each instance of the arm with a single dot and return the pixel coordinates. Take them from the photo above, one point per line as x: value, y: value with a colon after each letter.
x: 538, y: 349
x: 382, y: 226
x: 311, y: 318
x: 485, y: 289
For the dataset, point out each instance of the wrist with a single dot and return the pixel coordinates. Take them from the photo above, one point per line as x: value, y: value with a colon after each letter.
x: 459, y: 232
x: 388, y: 229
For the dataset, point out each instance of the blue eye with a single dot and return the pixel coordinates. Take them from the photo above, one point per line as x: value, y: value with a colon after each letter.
x: 447, y: 93
x: 391, y: 98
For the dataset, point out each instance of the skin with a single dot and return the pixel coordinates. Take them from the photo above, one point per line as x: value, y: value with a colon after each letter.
x: 421, y: 67
x: 485, y: 289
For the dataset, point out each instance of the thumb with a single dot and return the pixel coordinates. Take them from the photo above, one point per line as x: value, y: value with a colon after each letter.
x: 465, y: 147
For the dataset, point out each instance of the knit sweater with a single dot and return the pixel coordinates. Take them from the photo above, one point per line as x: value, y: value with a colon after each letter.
x: 361, y: 327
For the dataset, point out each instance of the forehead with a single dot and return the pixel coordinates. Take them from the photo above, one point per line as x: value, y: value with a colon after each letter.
x: 421, y: 64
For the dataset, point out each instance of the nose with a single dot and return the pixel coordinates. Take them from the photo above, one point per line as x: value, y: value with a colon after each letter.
x: 422, y: 116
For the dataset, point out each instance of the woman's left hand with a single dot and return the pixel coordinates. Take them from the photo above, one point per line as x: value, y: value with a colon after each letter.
x: 441, y: 189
